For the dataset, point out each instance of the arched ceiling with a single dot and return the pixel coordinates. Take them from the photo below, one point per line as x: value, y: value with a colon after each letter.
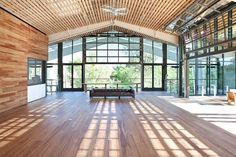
x: 53, y: 16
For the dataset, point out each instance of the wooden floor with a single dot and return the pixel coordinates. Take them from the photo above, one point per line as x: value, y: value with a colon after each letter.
x: 71, y: 125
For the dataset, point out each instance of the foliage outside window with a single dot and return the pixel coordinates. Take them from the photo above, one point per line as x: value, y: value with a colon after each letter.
x: 114, y: 57
x: 125, y: 74
x: 35, y: 72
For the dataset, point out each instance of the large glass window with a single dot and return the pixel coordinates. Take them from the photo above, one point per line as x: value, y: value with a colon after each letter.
x: 72, y: 51
x: 77, y: 51
x: 72, y: 62
x: 67, y: 76
x: 113, y: 57
x: 212, y: 74
x: 53, y: 54
x: 172, y: 78
x: 72, y: 76
x: 67, y: 52
x: 152, y: 51
x: 152, y: 76
x: 52, y: 68
x: 212, y: 35
x: 229, y: 70
x: 112, y: 49
x: 97, y: 75
x: 35, y: 71
x: 172, y: 54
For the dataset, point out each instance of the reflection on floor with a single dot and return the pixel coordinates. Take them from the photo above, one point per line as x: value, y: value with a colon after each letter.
x: 102, y: 133
x: 15, y: 127
x: 167, y: 136
x: 71, y: 124
x: 212, y: 109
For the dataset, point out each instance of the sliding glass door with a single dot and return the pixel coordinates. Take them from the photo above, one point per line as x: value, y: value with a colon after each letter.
x: 72, y: 77
x: 152, y: 77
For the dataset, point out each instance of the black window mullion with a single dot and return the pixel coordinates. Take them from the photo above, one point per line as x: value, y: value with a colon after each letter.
x: 72, y: 76
x: 60, y: 67
x: 223, y: 73
x: 216, y: 33
x: 235, y: 68
x: 72, y: 71
x: 35, y: 67
x: 230, y: 29
x: 153, y: 75
x: 153, y: 52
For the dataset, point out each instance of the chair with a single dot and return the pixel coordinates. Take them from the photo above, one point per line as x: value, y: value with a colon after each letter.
x: 231, y: 97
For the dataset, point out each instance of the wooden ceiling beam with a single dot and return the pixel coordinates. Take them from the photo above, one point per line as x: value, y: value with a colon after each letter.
x: 158, y: 35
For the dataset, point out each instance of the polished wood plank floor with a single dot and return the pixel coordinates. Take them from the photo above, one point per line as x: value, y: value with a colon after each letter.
x: 69, y: 124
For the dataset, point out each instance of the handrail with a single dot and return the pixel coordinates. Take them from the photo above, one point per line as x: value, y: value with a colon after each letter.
x: 51, y: 84
x: 93, y: 83
x: 85, y: 85
x: 172, y: 85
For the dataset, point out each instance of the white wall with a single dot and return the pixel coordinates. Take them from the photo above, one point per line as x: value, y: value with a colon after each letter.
x: 36, y: 92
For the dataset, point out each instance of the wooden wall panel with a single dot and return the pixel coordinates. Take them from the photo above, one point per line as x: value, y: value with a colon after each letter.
x: 18, y: 41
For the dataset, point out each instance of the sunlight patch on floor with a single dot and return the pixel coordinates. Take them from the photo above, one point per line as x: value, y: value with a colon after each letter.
x: 167, y: 136
x: 102, y: 136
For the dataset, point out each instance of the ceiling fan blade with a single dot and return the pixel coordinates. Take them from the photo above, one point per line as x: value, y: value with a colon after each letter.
x: 107, y: 7
x: 119, y: 13
x: 107, y: 10
x: 121, y: 9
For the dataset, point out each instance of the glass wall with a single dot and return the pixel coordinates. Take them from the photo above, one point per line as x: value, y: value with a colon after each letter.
x: 229, y: 70
x: 112, y: 48
x: 152, y: 51
x: 52, y: 68
x: 72, y: 59
x: 72, y: 51
x: 211, y: 74
x: 215, y: 35
x: 160, y: 66
x: 97, y: 75
x: 71, y: 63
x: 153, y: 65
x: 172, y: 78
x: 113, y: 57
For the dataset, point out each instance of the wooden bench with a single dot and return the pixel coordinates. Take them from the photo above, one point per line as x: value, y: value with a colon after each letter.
x: 96, y: 92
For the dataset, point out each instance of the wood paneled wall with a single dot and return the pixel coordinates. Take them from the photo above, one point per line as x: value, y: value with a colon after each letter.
x: 18, y: 41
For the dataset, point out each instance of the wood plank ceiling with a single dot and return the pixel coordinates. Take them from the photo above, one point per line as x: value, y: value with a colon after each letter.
x: 52, y: 16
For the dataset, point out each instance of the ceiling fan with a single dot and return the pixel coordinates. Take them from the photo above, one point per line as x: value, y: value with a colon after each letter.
x: 115, y: 11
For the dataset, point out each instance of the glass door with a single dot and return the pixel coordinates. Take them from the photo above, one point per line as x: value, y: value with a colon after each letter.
x: 152, y: 77
x: 157, y: 76
x: 72, y: 77
x: 148, y: 75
